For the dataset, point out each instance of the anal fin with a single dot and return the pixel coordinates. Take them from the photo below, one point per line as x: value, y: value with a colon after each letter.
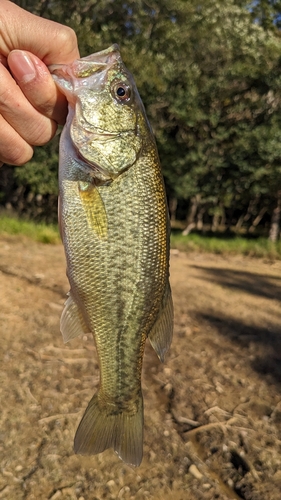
x: 161, y: 333
x: 71, y: 323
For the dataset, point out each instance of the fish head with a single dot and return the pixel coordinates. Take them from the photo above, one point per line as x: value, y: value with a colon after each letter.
x: 108, y: 125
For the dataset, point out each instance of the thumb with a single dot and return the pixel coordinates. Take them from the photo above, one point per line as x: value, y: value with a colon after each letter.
x: 37, y: 84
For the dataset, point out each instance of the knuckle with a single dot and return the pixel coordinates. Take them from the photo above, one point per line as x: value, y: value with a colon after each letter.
x: 14, y: 148
x: 67, y: 37
x: 19, y: 156
x: 44, y: 134
x: 6, y: 96
x: 46, y: 107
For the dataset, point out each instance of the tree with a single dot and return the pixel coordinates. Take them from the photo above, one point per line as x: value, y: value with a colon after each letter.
x: 210, y: 80
x: 267, y: 13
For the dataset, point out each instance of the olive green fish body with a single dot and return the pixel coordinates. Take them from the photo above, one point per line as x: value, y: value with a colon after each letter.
x: 114, y: 226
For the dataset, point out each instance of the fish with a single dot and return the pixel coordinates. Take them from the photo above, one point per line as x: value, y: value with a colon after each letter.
x: 114, y: 225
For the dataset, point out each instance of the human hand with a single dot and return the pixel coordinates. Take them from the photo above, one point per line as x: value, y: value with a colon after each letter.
x: 31, y: 106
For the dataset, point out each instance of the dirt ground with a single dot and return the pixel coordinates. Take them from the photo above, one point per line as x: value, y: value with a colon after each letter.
x: 212, y: 411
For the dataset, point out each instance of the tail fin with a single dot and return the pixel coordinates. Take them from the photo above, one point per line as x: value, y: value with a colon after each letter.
x: 100, y: 429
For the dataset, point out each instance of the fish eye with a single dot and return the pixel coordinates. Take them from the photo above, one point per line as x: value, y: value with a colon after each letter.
x: 122, y: 91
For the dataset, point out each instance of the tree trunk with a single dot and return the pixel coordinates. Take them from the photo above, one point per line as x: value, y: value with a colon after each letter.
x: 218, y: 219
x: 275, y: 220
x: 191, y: 216
x: 250, y: 211
x: 188, y: 228
x: 200, y: 216
x: 223, y: 218
x: 173, y: 203
x: 257, y: 219
x: 215, y: 222
x: 239, y: 223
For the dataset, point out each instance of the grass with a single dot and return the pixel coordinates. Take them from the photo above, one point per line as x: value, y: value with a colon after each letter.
x: 43, y: 233
x: 259, y: 247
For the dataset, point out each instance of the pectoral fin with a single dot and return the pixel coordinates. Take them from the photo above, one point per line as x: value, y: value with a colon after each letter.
x: 162, y: 331
x: 94, y: 208
x: 71, y: 323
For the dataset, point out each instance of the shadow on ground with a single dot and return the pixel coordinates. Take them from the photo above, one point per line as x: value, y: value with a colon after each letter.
x: 266, y: 359
x: 260, y: 285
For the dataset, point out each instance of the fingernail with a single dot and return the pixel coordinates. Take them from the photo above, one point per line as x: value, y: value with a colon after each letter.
x: 21, y: 66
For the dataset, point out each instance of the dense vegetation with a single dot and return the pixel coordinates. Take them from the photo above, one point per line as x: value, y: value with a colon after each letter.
x: 209, y: 74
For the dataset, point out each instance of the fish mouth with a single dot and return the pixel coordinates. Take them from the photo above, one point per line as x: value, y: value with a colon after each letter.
x: 103, y: 57
x: 71, y: 78
x: 86, y: 66
x: 97, y: 62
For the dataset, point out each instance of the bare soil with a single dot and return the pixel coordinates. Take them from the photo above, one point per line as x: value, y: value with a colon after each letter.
x: 212, y: 411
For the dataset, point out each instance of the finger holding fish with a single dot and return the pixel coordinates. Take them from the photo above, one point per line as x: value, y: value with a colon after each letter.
x: 18, y: 135
x: 30, y: 103
x: 37, y: 86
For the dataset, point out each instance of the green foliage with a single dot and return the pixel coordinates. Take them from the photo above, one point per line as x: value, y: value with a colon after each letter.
x: 40, y: 174
x: 210, y: 78
x: 41, y: 233
x: 260, y: 247
x: 266, y: 13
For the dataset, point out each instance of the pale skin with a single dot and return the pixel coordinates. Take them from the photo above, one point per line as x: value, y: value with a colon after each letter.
x: 31, y: 106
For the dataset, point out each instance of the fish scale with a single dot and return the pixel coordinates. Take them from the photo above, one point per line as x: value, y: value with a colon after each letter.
x: 115, y: 231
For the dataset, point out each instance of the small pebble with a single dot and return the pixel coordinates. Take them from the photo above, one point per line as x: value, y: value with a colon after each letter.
x: 111, y: 483
x: 206, y: 486
x: 195, y: 472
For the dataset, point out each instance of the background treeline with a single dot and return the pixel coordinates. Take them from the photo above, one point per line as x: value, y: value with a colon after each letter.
x: 209, y: 73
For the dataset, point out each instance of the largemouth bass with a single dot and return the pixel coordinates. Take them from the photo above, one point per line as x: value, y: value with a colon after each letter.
x: 115, y: 230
